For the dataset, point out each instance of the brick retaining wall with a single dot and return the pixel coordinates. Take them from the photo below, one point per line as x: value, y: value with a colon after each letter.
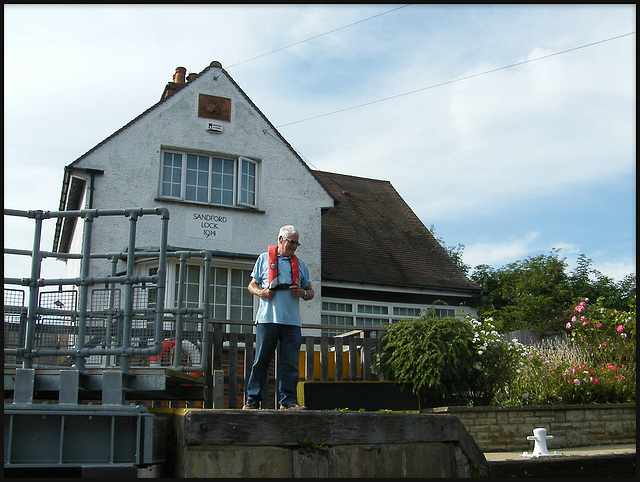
x: 505, y: 429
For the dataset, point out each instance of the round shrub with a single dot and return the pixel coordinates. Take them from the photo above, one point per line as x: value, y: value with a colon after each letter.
x: 436, y: 355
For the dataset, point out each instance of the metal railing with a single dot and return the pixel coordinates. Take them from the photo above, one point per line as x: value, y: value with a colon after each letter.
x: 41, y: 318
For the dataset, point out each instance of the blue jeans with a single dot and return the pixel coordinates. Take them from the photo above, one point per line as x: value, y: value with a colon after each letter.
x: 267, y: 337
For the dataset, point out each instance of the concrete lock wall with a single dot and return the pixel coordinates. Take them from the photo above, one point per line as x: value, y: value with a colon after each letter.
x: 505, y: 429
x: 270, y: 443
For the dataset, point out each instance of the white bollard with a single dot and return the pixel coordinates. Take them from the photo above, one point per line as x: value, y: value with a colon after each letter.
x: 540, y: 438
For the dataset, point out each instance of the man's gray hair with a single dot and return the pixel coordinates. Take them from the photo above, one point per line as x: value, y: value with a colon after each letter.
x: 286, y: 231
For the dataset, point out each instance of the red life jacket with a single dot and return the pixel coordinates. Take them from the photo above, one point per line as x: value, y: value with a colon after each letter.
x: 273, y: 268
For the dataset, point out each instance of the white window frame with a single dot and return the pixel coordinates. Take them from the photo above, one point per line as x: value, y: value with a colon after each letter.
x: 364, y: 318
x: 240, y: 176
x: 239, y: 198
x: 173, y: 274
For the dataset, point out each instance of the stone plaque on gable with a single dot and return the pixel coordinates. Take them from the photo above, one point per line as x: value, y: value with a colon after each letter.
x: 211, y: 107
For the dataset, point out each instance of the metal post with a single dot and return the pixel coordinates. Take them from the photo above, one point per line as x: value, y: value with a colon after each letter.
x: 33, y: 292
x: 83, y: 290
x: 110, y: 318
x: 128, y: 298
x: 218, y: 389
x: 182, y: 281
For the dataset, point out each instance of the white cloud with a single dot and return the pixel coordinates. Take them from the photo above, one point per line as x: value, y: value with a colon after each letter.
x: 617, y: 270
x: 501, y: 252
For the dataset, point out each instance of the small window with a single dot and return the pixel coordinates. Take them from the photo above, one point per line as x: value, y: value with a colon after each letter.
x: 444, y: 312
x: 406, y: 312
x: 335, y: 320
x: 341, y: 307
x: 248, y: 170
x: 222, y: 173
x: 197, y: 181
x: 171, y: 174
x: 373, y: 309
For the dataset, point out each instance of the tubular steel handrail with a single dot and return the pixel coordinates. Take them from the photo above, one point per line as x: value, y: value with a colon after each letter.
x: 28, y: 352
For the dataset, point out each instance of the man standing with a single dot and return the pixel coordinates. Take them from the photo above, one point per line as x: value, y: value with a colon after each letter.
x: 280, y: 279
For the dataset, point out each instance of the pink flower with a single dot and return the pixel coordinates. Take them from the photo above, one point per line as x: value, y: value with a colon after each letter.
x: 585, y: 323
x: 577, y: 382
x: 568, y: 325
x: 620, y: 329
x: 598, y: 325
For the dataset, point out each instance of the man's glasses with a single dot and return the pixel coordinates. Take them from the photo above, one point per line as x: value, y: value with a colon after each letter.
x: 295, y: 243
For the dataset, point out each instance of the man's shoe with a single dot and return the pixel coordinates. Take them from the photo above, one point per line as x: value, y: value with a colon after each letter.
x: 251, y: 405
x: 292, y: 406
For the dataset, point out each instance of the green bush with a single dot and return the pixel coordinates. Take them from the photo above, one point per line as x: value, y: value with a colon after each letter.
x: 434, y: 354
x: 495, y: 364
x: 449, y: 360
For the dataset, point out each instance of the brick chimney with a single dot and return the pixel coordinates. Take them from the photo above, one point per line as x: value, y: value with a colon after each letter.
x: 179, y: 76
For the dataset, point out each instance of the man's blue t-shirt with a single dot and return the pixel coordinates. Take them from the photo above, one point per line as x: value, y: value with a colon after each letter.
x: 282, y: 308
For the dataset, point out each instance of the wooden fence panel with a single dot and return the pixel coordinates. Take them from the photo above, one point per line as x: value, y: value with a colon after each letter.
x: 339, y: 355
x: 324, y: 358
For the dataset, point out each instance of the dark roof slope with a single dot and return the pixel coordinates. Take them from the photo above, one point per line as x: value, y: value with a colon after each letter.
x: 372, y: 227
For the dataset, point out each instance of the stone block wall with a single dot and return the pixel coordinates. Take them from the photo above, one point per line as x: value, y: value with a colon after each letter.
x: 269, y: 443
x: 505, y: 429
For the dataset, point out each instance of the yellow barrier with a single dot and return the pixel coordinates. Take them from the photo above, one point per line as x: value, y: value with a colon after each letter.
x: 332, y: 365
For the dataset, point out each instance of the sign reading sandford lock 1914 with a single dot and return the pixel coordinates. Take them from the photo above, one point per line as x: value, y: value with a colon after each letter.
x: 208, y: 226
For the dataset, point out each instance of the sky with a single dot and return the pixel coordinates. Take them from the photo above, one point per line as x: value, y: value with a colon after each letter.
x: 508, y: 129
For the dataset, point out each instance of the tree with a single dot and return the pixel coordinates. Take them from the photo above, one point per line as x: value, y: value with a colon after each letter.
x: 589, y: 283
x: 537, y: 293
x: 454, y: 252
x: 526, y: 295
x: 627, y: 292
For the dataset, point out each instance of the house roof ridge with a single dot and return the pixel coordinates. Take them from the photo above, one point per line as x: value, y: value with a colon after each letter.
x: 351, y: 176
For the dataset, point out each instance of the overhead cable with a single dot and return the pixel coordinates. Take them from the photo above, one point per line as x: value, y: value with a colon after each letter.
x: 456, y: 80
x: 317, y: 36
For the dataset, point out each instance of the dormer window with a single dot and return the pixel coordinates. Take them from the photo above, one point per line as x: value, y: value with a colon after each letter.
x: 209, y: 179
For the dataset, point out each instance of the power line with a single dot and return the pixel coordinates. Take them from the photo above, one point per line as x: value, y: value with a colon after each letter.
x: 318, y: 36
x: 455, y: 80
